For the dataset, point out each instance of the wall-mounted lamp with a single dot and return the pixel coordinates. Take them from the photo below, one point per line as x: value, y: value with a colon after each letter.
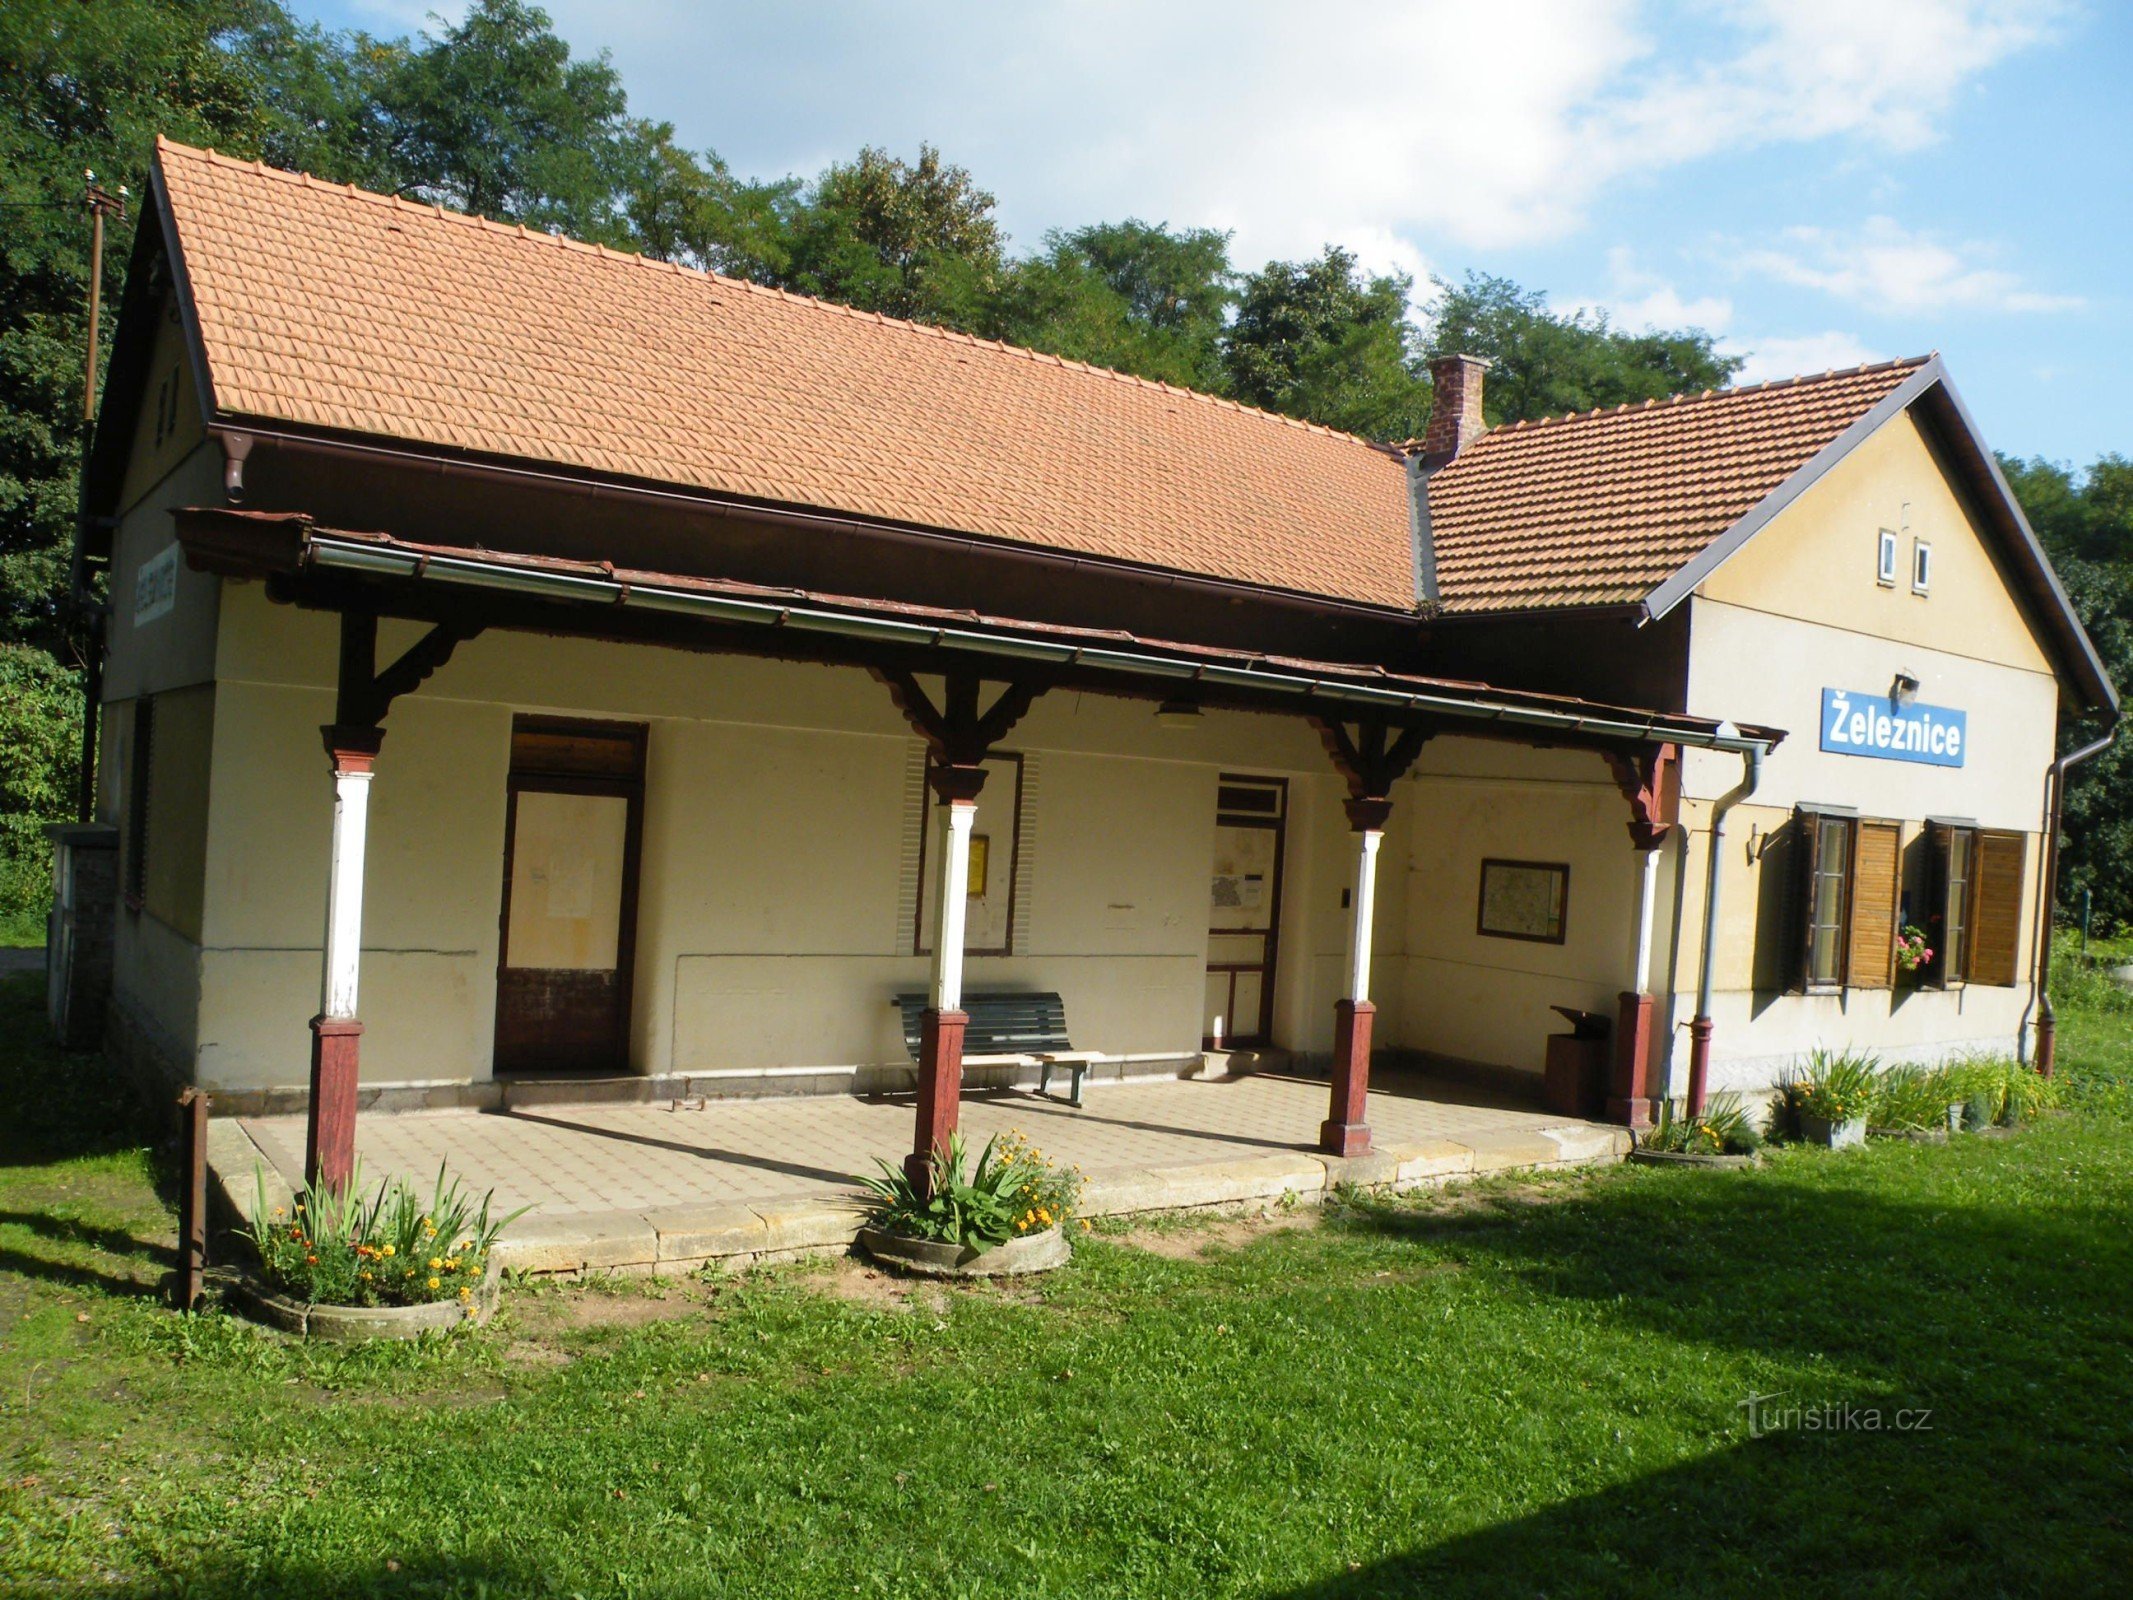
x: 1904, y: 691
x: 1177, y: 713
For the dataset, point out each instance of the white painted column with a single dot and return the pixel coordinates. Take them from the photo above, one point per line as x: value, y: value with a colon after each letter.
x: 1647, y: 901
x: 951, y: 902
x: 1366, y: 883
x: 344, y: 893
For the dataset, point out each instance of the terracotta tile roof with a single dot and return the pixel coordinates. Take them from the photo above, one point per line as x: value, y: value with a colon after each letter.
x: 1604, y: 506
x: 329, y: 307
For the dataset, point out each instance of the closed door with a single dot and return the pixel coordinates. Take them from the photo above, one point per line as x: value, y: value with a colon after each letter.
x: 570, y: 896
x: 1244, y: 912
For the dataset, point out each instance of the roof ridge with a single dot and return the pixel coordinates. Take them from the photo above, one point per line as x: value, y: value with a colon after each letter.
x: 813, y: 302
x: 1695, y: 396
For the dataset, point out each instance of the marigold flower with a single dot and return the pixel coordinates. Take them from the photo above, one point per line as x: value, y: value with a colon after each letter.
x: 388, y: 1250
x: 433, y: 1283
x: 436, y: 1262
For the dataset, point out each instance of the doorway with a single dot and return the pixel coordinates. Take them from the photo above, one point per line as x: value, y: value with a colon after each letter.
x: 573, y: 823
x: 1244, y: 912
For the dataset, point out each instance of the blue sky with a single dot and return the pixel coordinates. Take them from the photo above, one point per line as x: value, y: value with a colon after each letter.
x: 1820, y: 182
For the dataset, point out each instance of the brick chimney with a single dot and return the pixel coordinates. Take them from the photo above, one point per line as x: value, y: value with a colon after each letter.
x: 1454, y: 407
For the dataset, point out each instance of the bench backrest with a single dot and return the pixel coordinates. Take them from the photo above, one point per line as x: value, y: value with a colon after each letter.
x: 1000, y: 1024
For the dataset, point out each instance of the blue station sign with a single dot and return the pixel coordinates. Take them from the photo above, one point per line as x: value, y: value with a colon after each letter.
x: 1876, y: 725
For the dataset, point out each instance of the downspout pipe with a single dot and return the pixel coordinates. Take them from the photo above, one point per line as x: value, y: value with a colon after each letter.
x: 2054, y: 805
x: 1700, y: 1025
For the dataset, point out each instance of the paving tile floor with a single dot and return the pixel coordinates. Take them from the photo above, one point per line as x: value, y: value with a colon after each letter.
x: 570, y: 1160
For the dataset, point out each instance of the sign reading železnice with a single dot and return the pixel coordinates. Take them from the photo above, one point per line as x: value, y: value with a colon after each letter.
x: 1875, y: 725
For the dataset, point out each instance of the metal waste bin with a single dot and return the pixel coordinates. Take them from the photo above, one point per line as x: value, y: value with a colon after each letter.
x: 1576, y: 1081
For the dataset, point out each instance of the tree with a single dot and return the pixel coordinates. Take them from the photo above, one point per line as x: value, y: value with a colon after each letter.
x: 1321, y: 340
x: 2086, y: 526
x: 1545, y: 364
x: 82, y: 87
x: 908, y: 239
x: 1132, y: 296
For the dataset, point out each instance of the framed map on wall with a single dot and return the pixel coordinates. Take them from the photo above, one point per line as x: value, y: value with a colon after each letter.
x: 1524, y: 900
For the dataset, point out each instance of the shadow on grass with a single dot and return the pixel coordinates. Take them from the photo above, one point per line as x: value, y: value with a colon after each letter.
x: 1990, y: 1316
x: 56, y: 1105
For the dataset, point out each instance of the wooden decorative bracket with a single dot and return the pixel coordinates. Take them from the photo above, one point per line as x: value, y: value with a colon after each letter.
x: 366, y: 694
x: 957, y: 733
x: 1375, y: 756
x: 1649, y: 777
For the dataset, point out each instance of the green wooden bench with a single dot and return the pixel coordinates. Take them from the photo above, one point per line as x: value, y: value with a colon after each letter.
x: 1010, y: 1029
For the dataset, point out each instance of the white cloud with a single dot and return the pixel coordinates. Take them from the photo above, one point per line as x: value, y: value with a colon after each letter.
x: 1792, y: 355
x: 1485, y: 126
x: 1884, y: 266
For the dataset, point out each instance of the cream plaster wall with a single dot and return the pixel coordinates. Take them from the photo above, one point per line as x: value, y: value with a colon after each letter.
x: 780, y: 828
x: 1796, y: 610
x: 1480, y: 998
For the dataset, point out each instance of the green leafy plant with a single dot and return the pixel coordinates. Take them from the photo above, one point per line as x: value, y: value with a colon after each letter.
x: 1835, y: 1085
x: 2001, y: 1090
x: 1914, y: 1099
x: 1724, y: 1129
x: 337, y: 1247
x: 1013, y: 1190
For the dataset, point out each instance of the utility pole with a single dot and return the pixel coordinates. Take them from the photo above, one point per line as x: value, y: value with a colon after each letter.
x: 102, y: 203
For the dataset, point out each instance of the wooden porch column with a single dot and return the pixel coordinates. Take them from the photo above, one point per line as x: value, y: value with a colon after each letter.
x: 353, y: 740
x: 1346, y: 1130
x: 958, y: 737
x: 1649, y: 779
x: 336, y: 1035
x: 1372, y: 758
x: 940, y: 1062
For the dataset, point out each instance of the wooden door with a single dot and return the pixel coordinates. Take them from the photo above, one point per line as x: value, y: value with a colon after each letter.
x: 572, y: 829
x: 1244, y: 912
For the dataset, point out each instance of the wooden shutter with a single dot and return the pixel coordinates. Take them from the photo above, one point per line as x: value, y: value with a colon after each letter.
x: 1803, y: 894
x: 1996, y: 908
x: 1870, y: 932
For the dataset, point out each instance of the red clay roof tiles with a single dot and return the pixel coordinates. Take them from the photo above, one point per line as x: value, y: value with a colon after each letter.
x: 326, y: 306
x: 1604, y: 506
x: 329, y: 307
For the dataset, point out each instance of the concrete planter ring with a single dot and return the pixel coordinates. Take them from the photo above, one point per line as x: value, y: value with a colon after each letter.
x: 1832, y: 1135
x: 935, y: 1258
x: 348, y: 1324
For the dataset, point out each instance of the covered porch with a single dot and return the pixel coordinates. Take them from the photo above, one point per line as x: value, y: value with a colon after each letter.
x: 964, y: 687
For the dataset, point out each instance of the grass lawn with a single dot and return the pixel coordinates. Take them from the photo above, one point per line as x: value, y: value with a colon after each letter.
x: 1511, y: 1388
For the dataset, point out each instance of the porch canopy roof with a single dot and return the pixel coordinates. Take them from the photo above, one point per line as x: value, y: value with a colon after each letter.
x: 463, y: 591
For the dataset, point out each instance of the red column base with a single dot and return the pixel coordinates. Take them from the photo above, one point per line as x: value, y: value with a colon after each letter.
x: 1629, y: 1091
x: 940, y: 1089
x: 1699, y: 1063
x: 1345, y: 1132
x: 2047, y: 1043
x: 329, y: 1141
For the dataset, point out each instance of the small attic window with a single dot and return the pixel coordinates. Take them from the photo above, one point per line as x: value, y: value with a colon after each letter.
x: 1921, y: 566
x: 1885, y: 562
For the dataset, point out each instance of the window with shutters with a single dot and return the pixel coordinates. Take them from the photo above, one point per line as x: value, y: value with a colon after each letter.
x: 1978, y: 879
x: 1849, y: 893
x: 139, y: 760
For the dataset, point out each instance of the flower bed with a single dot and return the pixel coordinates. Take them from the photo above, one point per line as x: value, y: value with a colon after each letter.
x: 1006, y: 1214
x: 1722, y: 1136
x: 338, y: 1249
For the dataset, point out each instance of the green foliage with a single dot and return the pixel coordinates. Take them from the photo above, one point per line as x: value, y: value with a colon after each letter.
x: 1322, y: 340
x: 393, y: 1248
x: 40, y: 729
x: 1835, y: 1085
x: 1545, y: 364
x: 1012, y: 1191
x: 1724, y: 1129
x: 1914, y: 1099
x: 1132, y: 296
x: 82, y: 88
x: 2086, y: 526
